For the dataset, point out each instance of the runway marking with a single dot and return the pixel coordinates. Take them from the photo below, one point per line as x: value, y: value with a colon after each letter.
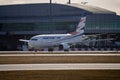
x: 44, y: 52
x: 59, y: 54
x: 81, y: 66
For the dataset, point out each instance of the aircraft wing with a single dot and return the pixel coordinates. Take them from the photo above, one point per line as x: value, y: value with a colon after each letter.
x: 86, y: 42
x: 23, y: 40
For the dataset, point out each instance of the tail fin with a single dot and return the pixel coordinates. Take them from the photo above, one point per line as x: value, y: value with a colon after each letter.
x: 81, y: 26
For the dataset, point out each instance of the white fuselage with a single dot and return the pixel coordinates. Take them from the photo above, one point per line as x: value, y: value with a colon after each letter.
x: 52, y: 40
x: 62, y: 40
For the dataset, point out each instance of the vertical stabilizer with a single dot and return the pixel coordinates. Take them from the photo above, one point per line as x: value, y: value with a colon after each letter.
x: 80, y: 27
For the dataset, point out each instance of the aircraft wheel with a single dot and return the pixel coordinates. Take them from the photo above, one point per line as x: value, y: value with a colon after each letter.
x: 50, y: 49
x: 66, y: 50
x: 35, y: 50
x: 60, y: 47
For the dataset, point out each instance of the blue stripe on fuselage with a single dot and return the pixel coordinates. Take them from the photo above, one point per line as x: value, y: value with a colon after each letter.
x: 69, y: 37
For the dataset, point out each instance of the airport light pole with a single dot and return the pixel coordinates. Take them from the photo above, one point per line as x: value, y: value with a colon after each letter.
x: 50, y: 6
x: 50, y: 1
x: 69, y: 2
x: 50, y: 15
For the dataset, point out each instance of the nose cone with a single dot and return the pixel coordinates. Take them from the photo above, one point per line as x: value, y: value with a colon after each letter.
x: 33, y: 42
x: 30, y: 43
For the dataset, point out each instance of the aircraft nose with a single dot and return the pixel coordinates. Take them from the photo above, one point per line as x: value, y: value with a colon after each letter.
x: 31, y: 43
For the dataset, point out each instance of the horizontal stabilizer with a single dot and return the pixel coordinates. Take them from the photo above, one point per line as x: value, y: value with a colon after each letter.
x: 99, y: 40
x: 94, y: 35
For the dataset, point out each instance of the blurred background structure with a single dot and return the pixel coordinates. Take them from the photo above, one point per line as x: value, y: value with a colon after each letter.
x: 26, y: 20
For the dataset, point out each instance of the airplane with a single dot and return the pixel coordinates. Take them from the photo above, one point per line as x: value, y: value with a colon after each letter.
x: 63, y: 41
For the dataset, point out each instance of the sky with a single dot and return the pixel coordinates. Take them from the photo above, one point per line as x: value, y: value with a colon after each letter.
x: 113, y: 5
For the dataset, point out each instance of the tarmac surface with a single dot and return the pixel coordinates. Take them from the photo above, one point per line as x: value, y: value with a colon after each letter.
x: 42, y: 55
x: 57, y: 52
x: 83, y: 65
x: 60, y: 75
x: 80, y: 66
x: 37, y: 58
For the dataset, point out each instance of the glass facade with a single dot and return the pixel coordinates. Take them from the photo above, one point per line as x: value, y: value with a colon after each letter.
x: 97, y: 25
x: 59, y: 26
x: 103, y: 24
x: 43, y: 26
x: 94, y: 24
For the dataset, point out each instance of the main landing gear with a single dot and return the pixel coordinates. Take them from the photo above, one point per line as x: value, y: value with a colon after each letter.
x: 50, y: 49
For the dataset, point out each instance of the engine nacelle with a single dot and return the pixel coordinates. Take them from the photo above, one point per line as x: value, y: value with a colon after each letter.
x: 64, y: 46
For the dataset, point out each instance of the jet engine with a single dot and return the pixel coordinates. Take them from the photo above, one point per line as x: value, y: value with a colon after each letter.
x: 64, y: 46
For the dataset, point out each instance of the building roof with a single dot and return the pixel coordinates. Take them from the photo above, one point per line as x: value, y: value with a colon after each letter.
x: 45, y: 11
x: 94, y: 9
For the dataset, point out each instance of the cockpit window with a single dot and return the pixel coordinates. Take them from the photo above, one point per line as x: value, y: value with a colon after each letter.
x: 34, y: 39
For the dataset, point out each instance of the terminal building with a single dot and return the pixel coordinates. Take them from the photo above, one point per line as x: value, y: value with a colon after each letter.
x: 23, y: 21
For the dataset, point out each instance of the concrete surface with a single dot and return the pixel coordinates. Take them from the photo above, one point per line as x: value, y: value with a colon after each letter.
x: 75, y: 66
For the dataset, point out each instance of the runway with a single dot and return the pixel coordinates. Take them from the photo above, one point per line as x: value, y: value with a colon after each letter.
x: 30, y: 65
x: 58, y: 52
x: 58, y: 58
x: 80, y: 66
x: 60, y: 75
x: 60, y: 55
